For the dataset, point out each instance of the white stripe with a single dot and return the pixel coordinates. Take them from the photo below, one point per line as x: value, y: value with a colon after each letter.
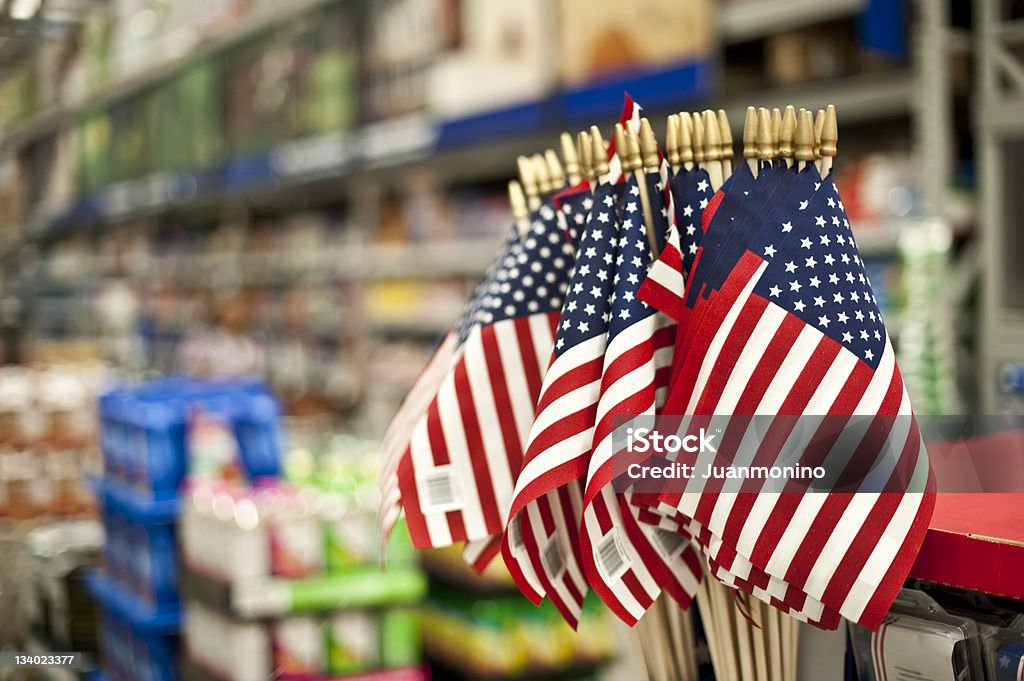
x: 423, y: 460
x: 543, y: 342
x: 566, y: 450
x: 578, y: 398
x: 710, y: 359
x: 574, y: 357
x: 515, y: 378
x: 490, y: 425
x: 749, y: 359
x: 458, y: 452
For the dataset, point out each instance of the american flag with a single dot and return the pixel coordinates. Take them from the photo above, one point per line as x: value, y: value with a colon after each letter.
x: 541, y: 546
x: 785, y: 322
x: 628, y: 562
x: 457, y: 476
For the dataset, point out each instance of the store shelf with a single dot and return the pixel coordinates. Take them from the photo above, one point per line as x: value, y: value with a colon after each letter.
x: 975, y: 541
x: 193, y: 671
x: 132, y: 502
x: 741, y: 20
x: 127, y: 606
x: 263, y: 597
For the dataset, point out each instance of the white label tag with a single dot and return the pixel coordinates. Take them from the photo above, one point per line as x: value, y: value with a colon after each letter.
x: 554, y: 558
x: 669, y: 543
x: 908, y: 649
x: 440, y: 490
x: 611, y: 559
x: 515, y: 538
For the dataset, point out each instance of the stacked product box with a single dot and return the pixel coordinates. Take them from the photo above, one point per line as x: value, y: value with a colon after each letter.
x: 152, y: 436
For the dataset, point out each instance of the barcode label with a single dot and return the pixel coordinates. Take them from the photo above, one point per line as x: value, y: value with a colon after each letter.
x: 554, y: 558
x: 611, y: 559
x: 669, y: 543
x: 440, y: 490
x: 515, y: 537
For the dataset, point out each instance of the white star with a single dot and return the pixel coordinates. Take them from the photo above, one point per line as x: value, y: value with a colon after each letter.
x: 584, y: 270
x: 602, y: 217
x: 791, y: 266
x: 688, y: 210
x: 631, y: 207
x: 693, y: 249
x: 835, y: 220
x: 584, y: 327
x: 775, y: 291
x: 532, y: 306
x: 624, y: 314
x: 820, y: 221
x: 816, y: 185
x: 869, y: 355
x: 845, y: 258
x: 878, y: 336
x: 607, y: 258
x: 799, y: 306
x: 628, y: 296
x: 588, y: 309
x: 570, y: 306
x: 606, y: 316
x: 560, y: 343
x: 769, y: 250
x: 815, y: 282
x: 819, y: 301
x: 824, y: 239
x: 703, y: 203
x: 579, y: 218
x: 803, y: 205
x: 842, y: 316
x: 872, y: 315
x: 805, y: 242
x: 810, y: 262
x: 794, y: 286
x: 690, y: 229
x: 863, y: 335
x: 590, y: 252
x: 588, y: 203
x: 831, y: 203
x: 602, y: 275
x: 837, y: 297
x: 847, y: 338
x: 519, y: 296
x: 787, y: 226
x: 823, y: 321
x: 609, y: 201
x: 859, y: 315
x: 632, y: 278
x: 702, y: 186
x: 640, y: 243
x: 595, y: 291
x: 829, y: 260
x: 637, y: 262
x: 840, y: 239
x: 849, y: 277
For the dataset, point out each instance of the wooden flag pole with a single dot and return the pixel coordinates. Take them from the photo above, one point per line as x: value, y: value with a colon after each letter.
x: 786, y: 135
x: 788, y: 658
x: 725, y: 131
x: 705, y: 606
x: 750, y: 140
x: 829, y: 140
x: 633, y: 162
x: 757, y: 609
x: 775, y: 642
x: 744, y: 639
x: 521, y: 213
x: 571, y: 158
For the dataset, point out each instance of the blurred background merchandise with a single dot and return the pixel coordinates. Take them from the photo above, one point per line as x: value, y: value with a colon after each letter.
x: 305, y: 192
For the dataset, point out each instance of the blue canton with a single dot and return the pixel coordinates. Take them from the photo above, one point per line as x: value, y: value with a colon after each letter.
x: 575, y: 209
x: 585, y: 313
x: 632, y: 259
x: 691, y: 192
x: 814, y: 268
x: 530, y: 276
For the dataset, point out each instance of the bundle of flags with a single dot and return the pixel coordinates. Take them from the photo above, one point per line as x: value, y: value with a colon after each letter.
x: 644, y: 282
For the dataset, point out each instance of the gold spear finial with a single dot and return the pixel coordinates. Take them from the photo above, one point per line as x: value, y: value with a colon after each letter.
x: 586, y: 154
x: 648, y: 146
x: 540, y: 170
x: 765, y: 144
x: 672, y: 139
x: 527, y: 176
x: 750, y: 133
x: 819, y: 123
x: 725, y: 130
x: 555, y: 172
x: 599, y: 152
x: 699, y: 150
x: 804, y: 138
x: 571, y: 158
x: 787, y: 133
x: 830, y: 133
x: 686, y: 138
x: 712, y: 136
x: 517, y: 200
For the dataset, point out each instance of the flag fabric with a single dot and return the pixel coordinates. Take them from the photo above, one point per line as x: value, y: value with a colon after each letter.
x: 784, y: 322
x: 628, y: 562
x: 1009, y: 663
x: 457, y: 476
x: 541, y: 546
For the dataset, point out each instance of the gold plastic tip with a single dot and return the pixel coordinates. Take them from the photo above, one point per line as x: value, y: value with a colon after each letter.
x: 586, y: 153
x: 672, y: 139
x: 599, y: 151
x: 830, y: 133
x: 572, y: 159
x: 621, y: 146
x: 787, y: 133
x: 698, y: 137
x: 776, y: 129
x: 750, y: 133
x: 648, y: 146
x: 725, y: 130
x: 527, y: 176
x: 804, y: 139
x: 686, y: 138
x: 555, y: 171
x: 712, y: 137
x: 540, y: 169
x: 819, y: 123
x: 765, y: 143
x: 633, y: 150
x: 517, y: 200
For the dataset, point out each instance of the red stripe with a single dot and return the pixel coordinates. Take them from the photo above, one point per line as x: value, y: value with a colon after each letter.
x: 414, y: 518
x: 503, y: 401
x: 573, y: 379
x: 528, y: 355
x: 477, y: 451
